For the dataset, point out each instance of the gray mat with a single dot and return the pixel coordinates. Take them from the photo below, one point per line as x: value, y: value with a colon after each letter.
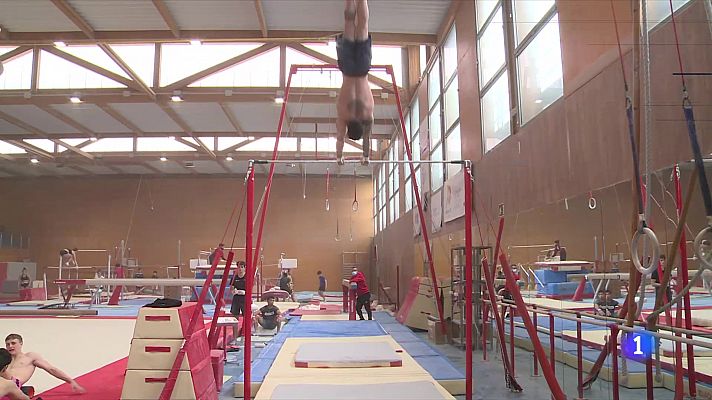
x: 339, y: 354
x: 417, y: 390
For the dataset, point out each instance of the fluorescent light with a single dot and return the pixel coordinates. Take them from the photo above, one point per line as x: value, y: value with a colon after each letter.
x: 250, y: 138
x: 163, y: 158
x: 176, y: 98
x: 75, y: 99
x: 172, y: 137
x: 538, y: 101
x: 60, y: 44
x: 34, y: 160
x: 196, y: 42
x: 279, y: 100
x: 228, y: 158
x: 94, y: 138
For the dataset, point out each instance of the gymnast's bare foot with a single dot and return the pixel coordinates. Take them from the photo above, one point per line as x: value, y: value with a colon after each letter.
x: 364, y: 160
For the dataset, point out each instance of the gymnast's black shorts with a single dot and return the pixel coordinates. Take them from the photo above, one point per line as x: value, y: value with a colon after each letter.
x: 354, y: 56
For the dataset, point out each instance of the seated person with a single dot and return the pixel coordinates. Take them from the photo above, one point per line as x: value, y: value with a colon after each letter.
x: 268, y: 316
x: 286, y: 284
x: 606, y: 305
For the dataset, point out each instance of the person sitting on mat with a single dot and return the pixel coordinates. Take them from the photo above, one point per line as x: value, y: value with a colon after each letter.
x: 355, y: 104
x: 238, y: 294
x: 268, y: 316
x: 287, y: 284
x: 9, y: 389
x: 363, y: 295
x: 606, y: 305
x: 322, y: 285
x: 23, y: 365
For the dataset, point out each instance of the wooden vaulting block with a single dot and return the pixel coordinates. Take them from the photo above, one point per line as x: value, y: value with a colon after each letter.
x: 160, y: 353
x: 196, y: 384
x: 165, y: 323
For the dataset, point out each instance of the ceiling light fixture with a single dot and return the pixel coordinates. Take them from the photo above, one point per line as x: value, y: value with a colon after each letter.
x: 196, y: 42
x: 75, y: 99
x: 228, y: 158
x: 34, y: 160
x: 163, y: 158
x: 172, y: 137
x: 538, y: 101
x: 176, y: 96
x: 250, y: 138
x: 60, y: 44
x: 279, y: 97
x: 93, y: 138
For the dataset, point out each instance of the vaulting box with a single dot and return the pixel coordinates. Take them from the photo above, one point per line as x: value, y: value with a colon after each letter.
x: 196, y: 384
x: 165, y: 323
x: 160, y: 353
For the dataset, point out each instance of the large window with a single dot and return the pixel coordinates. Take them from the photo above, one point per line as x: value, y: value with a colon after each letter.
x: 528, y: 33
x: 393, y: 182
x: 494, y: 84
x: 539, y: 72
x: 659, y: 11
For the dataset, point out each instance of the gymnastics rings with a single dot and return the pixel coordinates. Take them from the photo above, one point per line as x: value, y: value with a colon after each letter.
x: 703, y: 247
x: 592, y: 203
x: 653, y: 261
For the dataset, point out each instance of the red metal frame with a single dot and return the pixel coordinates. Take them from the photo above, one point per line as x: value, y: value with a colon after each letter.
x: 468, y: 278
x: 579, y: 354
x: 251, y: 259
x: 684, y: 275
x: 549, y: 375
x: 249, y: 264
x: 214, y: 333
x: 614, y: 360
x: 536, y: 322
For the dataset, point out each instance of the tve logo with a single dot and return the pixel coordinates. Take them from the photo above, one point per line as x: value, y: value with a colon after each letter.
x: 638, y: 344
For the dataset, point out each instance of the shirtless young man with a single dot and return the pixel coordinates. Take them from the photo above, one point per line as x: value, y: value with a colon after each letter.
x: 355, y: 104
x: 23, y: 365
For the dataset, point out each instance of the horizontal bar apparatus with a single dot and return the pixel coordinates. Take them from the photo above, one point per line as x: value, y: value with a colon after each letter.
x: 358, y: 161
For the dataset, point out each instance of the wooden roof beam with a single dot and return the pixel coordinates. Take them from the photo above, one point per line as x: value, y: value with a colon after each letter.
x: 12, y: 54
x: 74, y: 16
x: 384, y: 84
x: 231, y: 117
x: 162, y: 9
x: 184, y: 126
x: 219, y: 67
x: 67, y: 120
x: 31, y: 149
x: 261, y: 18
x: 128, y: 70
x: 120, y: 118
x: 92, y: 67
x: 166, y: 36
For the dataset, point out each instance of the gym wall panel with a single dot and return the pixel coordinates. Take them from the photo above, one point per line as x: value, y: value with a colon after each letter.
x: 95, y: 213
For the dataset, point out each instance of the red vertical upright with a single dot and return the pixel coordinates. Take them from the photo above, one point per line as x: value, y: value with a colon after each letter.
x: 546, y: 368
x: 219, y: 300
x: 613, y: 341
x: 249, y: 263
x: 684, y: 275
x: 536, y: 322
x: 468, y: 281
x: 579, y: 354
x: 416, y: 192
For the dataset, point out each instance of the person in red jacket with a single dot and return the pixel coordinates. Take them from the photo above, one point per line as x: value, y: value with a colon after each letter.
x: 363, y: 295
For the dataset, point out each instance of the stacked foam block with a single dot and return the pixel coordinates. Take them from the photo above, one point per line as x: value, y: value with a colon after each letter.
x: 158, y: 336
x: 556, y: 283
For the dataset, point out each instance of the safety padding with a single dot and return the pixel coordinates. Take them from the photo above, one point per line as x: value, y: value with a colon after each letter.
x: 218, y: 363
x: 196, y: 384
x: 418, y: 304
x: 353, y: 355
x: 160, y: 353
x: 165, y: 323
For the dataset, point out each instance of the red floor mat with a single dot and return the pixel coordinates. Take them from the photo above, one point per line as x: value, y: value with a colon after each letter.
x: 104, y: 383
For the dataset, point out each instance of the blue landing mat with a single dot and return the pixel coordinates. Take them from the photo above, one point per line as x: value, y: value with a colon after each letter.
x: 439, y: 367
x: 337, y: 329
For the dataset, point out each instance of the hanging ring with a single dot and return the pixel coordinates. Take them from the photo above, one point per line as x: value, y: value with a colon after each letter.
x: 592, y: 203
x: 703, y: 247
x: 645, y: 270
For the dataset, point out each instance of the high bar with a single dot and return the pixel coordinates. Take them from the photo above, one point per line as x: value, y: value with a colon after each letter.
x: 357, y: 161
x: 296, y: 67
